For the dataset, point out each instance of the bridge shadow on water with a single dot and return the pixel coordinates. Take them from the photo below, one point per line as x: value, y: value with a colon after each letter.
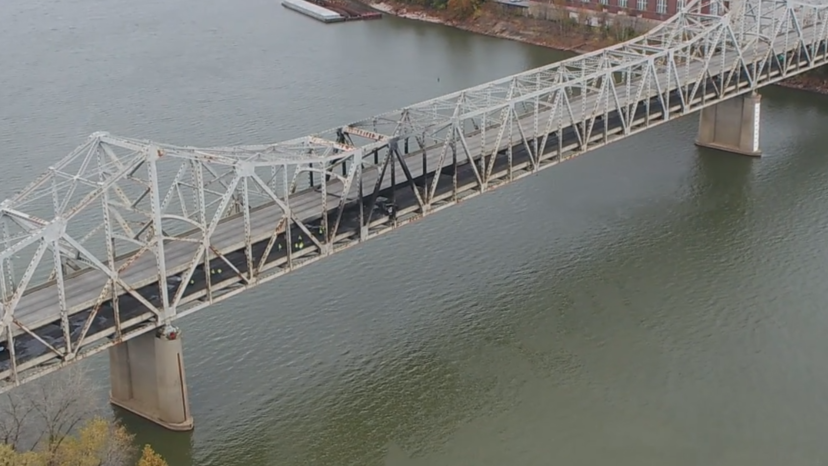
x: 411, y: 398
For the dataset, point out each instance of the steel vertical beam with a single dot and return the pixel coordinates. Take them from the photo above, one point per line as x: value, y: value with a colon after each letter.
x: 154, y: 154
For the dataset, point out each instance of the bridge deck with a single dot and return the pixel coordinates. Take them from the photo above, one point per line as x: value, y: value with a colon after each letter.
x: 39, y: 308
x: 42, y: 306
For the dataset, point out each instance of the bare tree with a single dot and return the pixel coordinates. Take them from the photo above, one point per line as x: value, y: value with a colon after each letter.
x: 41, y: 414
x: 14, y: 416
x: 56, y: 421
x: 98, y: 442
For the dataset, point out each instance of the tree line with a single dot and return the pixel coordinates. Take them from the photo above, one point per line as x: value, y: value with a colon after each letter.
x: 566, y: 21
x: 56, y: 421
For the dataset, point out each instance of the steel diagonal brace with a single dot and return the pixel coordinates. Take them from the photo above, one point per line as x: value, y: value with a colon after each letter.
x: 619, y: 107
x: 802, y: 44
x: 506, y: 115
x: 175, y: 189
x: 660, y: 92
x: 573, y: 122
x: 288, y: 212
x: 741, y: 58
x: 26, y: 221
x: 77, y: 178
x: 11, y: 304
x: 39, y: 182
x: 230, y: 264
x: 471, y: 159
x: 279, y: 202
x: 37, y: 337
x: 534, y: 159
x: 207, y: 234
x: 701, y: 81
x: 553, y: 113
x: 632, y: 96
x: 450, y: 136
x: 31, y: 223
x: 706, y: 66
x: 273, y: 237
x: 675, y: 75
x: 346, y: 189
x: 111, y: 274
x: 770, y: 53
x: 601, y: 98
x: 393, y: 148
x: 22, y: 244
x: 216, y: 179
x: 375, y: 192
x: 92, y: 232
x: 102, y: 186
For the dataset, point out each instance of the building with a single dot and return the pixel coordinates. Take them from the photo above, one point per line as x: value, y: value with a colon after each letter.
x: 657, y: 10
x: 650, y: 10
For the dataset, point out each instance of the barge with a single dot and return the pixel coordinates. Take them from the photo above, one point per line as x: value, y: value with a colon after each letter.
x: 332, y: 11
x: 313, y: 10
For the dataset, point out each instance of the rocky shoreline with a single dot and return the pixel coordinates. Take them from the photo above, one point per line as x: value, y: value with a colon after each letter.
x: 806, y: 83
x: 492, y: 22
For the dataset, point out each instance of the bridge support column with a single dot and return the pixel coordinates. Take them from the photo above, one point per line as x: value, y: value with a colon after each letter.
x: 732, y: 125
x: 147, y: 378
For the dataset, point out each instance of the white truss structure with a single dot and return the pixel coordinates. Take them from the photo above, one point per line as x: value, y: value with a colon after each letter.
x: 124, y: 235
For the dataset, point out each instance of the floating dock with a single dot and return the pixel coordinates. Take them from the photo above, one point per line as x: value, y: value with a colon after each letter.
x: 313, y: 10
x: 332, y: 11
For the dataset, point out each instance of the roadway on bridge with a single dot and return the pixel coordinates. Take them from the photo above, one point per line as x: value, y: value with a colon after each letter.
x: 39, y: 308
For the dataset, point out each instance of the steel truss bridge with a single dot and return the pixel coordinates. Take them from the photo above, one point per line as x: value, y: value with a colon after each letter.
x: 124, y: 236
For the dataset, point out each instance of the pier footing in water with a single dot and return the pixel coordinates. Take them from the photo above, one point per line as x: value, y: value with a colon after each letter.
x: 732, y: 125
x: 147, y: 378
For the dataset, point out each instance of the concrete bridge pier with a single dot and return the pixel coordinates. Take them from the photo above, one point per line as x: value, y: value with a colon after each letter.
x: 147, y: 378
x: 732, y: 125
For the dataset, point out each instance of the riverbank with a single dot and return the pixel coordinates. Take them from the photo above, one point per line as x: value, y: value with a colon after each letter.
x: 492, y: 21
x: 807, y: 82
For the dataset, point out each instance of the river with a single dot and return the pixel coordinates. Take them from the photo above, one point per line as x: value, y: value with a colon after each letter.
x: 650, y: 303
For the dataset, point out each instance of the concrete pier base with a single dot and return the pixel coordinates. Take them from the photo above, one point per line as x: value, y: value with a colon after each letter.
x: 147, y: 378
x: 732, y: 125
